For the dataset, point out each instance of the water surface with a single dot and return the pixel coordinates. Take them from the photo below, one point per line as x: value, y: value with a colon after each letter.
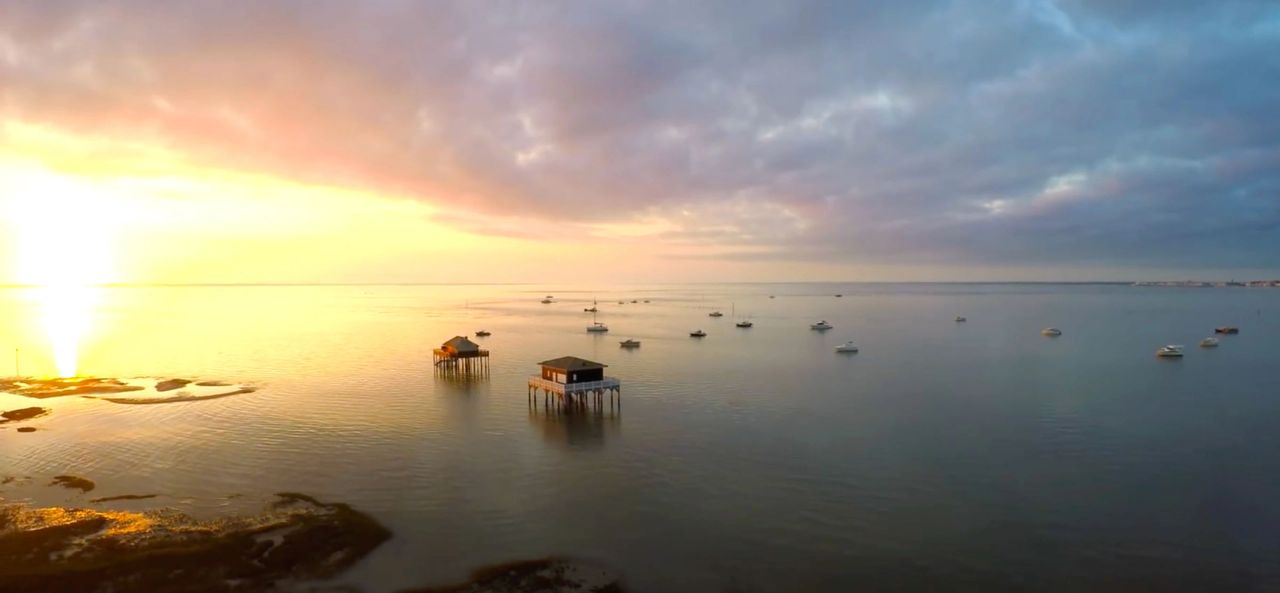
x: 978, y: 456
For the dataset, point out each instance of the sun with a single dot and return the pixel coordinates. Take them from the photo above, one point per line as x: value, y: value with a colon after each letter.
x: 63, y: 250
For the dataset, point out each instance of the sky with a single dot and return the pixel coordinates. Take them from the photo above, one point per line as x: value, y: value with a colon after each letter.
x: 405, y: 141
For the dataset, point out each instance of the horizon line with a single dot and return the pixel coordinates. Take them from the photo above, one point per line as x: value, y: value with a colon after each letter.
x: 688, y: 283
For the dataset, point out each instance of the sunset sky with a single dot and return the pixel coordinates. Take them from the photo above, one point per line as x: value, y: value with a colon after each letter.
x: 405, y: 141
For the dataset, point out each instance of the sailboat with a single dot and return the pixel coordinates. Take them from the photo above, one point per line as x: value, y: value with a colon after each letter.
x: 594, y: 307
x: 596, y: 326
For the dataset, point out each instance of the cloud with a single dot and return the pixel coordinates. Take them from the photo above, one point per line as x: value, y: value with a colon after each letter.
x: 1027, y: 132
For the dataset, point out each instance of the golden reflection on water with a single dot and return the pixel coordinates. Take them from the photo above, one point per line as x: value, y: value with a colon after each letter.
x: 65, y: 316
x: 64, y: 248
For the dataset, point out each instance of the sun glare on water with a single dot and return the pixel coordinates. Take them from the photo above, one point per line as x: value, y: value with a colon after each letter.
x: 64, y: 251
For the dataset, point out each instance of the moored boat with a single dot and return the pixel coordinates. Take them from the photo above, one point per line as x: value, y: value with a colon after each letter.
x: 483, y: 333
x: 629, y: 343
x: 1210, y: 342
x: 697, y: 333
x: 1052, y: 332
x: 847, y: 348
x: 1169, y: 351
x: 821, y: 326
x: 596, y: 327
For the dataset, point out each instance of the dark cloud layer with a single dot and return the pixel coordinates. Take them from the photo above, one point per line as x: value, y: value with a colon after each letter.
x: 1027, y: 132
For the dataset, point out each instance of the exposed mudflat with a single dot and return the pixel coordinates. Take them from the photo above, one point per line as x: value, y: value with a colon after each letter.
x: 126, y: 391
x: 171, y: 384
x: 45, y: 388
x: 124, y: 497
x: 74, y: 483
x: 292, y: 544
x: 22, y: 414
x: 295, y: 538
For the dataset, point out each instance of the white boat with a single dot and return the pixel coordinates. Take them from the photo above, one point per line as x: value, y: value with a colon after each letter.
x: 1209, y: 343
x: 715, y: 314
x: 1170, y: 351
x: 483, y: 333
x: 697, y: 333
x: 821, y: 326
x: 1052, y: 332
x: 960, y: 319
x: 744, y: 323
x: 629, y: 343
x: 847, y: 348
x: 596, y: 327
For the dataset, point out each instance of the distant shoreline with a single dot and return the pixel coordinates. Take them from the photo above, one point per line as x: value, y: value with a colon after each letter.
x: 539, y: 285
x: 1208, y: 284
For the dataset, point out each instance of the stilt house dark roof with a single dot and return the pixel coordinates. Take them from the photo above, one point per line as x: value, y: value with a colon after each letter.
x: 572, y: 363
x: 460, y: 344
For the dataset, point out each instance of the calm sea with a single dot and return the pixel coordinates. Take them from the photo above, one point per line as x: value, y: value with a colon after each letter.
x: 945, y: 456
